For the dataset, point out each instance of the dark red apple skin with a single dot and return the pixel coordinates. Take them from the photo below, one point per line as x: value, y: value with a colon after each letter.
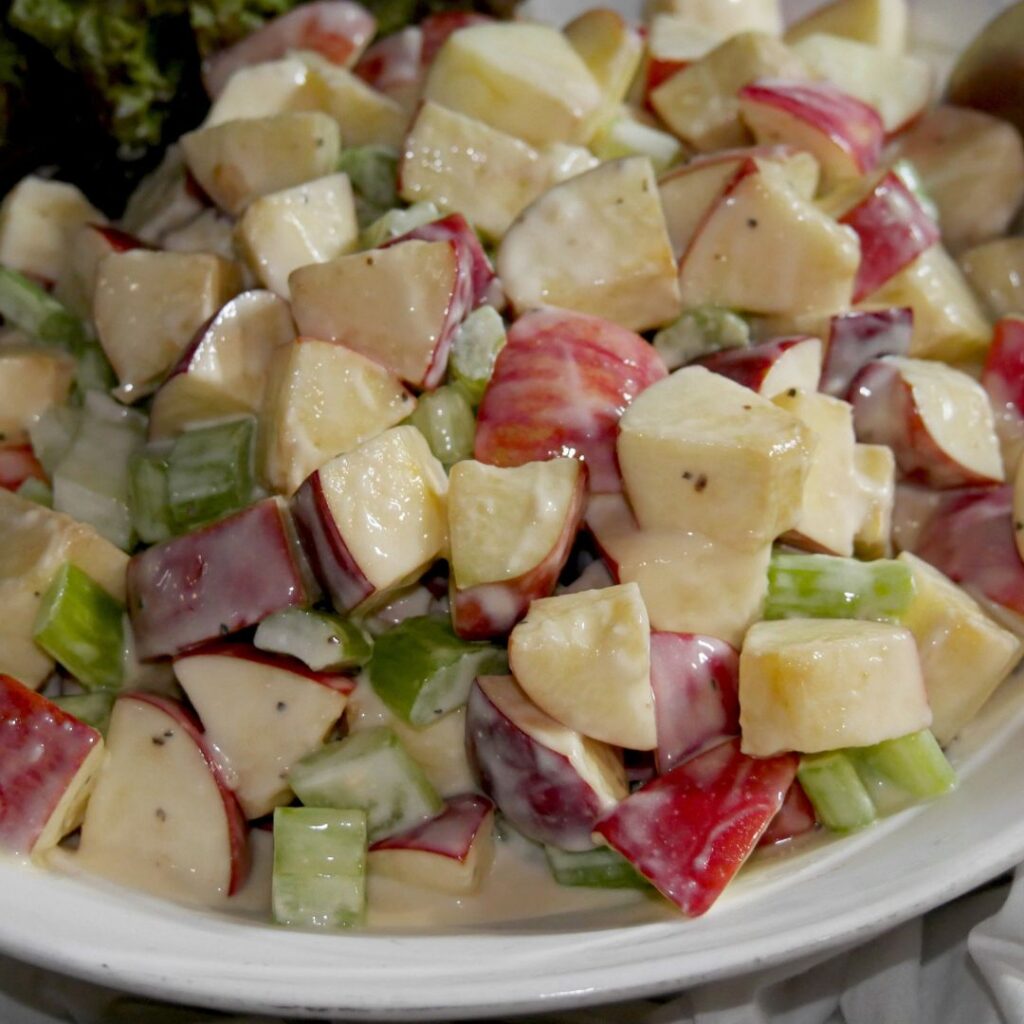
x: 658, y: 72
x: 329, y: 558
x: 560, y: 387
x: 450, y: 834
x: 689, y: 831
x: 214, y: 581
x: 795, y: 818
x: 695, y: 680
x: 238, y: 832
x: 18, y: 464
x: 1003, y: 375
x: 860, y: 336
x: 893, y: 229
x: 41, y: 750
x: 750, y: 366
x: 394, y: 62
x: 537, y: 789
x: 437, y: 28
x: 118, y: 240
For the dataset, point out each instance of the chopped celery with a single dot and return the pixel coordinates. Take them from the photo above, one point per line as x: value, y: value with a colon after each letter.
x: 321, y: 640
x: 38, y: 491
x: 209, y: 473
x: 319, y: 877
x: 93, y: 372
x: 834, y: 788
x: 445, y: 419
x: 372, y: 771
x: 52, y: 434
x: 80, y: 625
x: 31, y: 308
x: 422, y: 670
x: 92, y: 708
x: 147, y: 478
x: 475, y: 348
x: 701, y: 332
x: 625, y: 136
x: 826, y: 587
x: 600, y: 868
x: 373, y: 172
x: 397, y: 222
x: 902, y: 771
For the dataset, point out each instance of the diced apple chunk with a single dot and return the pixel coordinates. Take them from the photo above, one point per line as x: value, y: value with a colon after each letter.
x: 875, y: 469
x: 813, y: 685
x: 611, y: 49
x: 585, y: 659
x: 881, y: 23
x: 725, y: 16
x: 263, y: 90
x: 32, y: 380
x: 996, y: 272
x: 701, y: 453
x: 772, y: 367
x: 596, y: 244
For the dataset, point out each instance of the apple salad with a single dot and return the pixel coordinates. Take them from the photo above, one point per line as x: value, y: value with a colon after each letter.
x: 599, y: 441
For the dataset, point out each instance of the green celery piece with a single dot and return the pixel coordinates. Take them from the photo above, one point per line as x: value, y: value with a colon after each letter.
x: 373, y: 172
x: 446, y: 420
x: 80, y: 625
x: 372, y: 771
x: 38, y: 491
x: 92, y: 708
x: 422, y: 670
x: 93, y: 372
x: 475, y: 348
x: 903, y: 771
x: 701, y: 332
x: 319, y: 876
x: 600, y: 868
x: 833, y: 786
x: 31, y: 308
x: 323, y: 641
x: 52, y: 434
x: 624, y: 136
x: 827, y: 587
x: 209, y: 473
x: 147, y: 488
x: 397, y: 222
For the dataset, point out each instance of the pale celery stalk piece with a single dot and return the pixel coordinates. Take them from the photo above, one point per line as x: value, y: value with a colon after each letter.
x: 600, y: 868
x: 321, y: 640
x: 319, y: 875
x: 147, y: 489
x: 475, y: 349
x: 841, y: 801
x: 397, y: 222
x: 38, y: 491
x: 92, y: 708
x: 827, y: 587
x: 81, y: 626
x: 624, y: 136
x: 422, y: 670
x: 445, y: 418
x: 28, y: 306
x: 701, y: 332
x: 373, y: 172
x: 52, y: 434
x: 904, y: 771
x: 372, y: 771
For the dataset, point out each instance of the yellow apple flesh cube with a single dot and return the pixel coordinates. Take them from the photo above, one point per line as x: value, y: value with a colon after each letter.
x: 239, y: 161
x: 726, y: 16
x: 263, y: 90
x: 38, y: 220
x: 149, y: 306
x: 700, y: 103
x: 832, y: 506
x: 679, y: 39
x: 32, y: 380
x: 812, y: 685
x: 322, y: 400
x: 733, y: 260
x: 585, y: 659
x: 37, y: 542
x: 310, y: 223
x: 875, y: 468
x: 701, y: 453
x: 596, y: 244
x: 524, y: 79
x: 996, y: 273
x: 964, y: 654
x: 76, y: 287
x: 881, y: 23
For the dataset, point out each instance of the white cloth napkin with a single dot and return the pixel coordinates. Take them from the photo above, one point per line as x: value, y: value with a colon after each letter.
x: 960, y: 964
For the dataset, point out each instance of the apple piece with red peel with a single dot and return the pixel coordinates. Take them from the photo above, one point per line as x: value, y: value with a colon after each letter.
x: 18, y: 464
x: 32, y: 380
x: 893, y: 228
x: 695, y: 680
x: 796, y: 817
x: 689, y: 832
x: 881, y: 23
x: 263, y: 713
x: 560, y: 386
x: 373, y: 520
x: 394, y: 66
x: 1003, y: 380
x: 937, y: 420
x: 772, y: 367
x: 436, y: 29
x: 223, y: 371
x: 511, y: 531
x: 451, y: 852
x: 843, y: 134
x: 674, y: 42
x: 48, y: 766
x: 585, y: 659
x: 859, y: 337
x: 336, y: 29
x: 215, y: 581
x: 551, y: 782
x: 399, y: 306
x: 162, y: 816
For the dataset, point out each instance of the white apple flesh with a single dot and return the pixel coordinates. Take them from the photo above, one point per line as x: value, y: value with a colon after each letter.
x: 772, y: 367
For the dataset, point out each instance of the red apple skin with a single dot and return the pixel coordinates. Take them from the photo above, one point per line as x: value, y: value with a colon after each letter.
x: 695, y: 680
x: 750, y: 366
x: 329, y: 558
x: 849, y: 124
x: 1003, y: 375
x: 893, y: 229
x: 118, y: 240
x: 884, y: 412
x: 795, y: 818
x: 658, y: 72
x: 689, y: 831
x: 436, y: 29
x: 394, y: 63
x: 560, y: 387
x: 859, y: 337
x: 41, y: 750
x: 336, y: 29
x: 238, y: 833
x: 18, y: 464
x: 214, y: 581
x: 538, y: 790
x: 450, y: 834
